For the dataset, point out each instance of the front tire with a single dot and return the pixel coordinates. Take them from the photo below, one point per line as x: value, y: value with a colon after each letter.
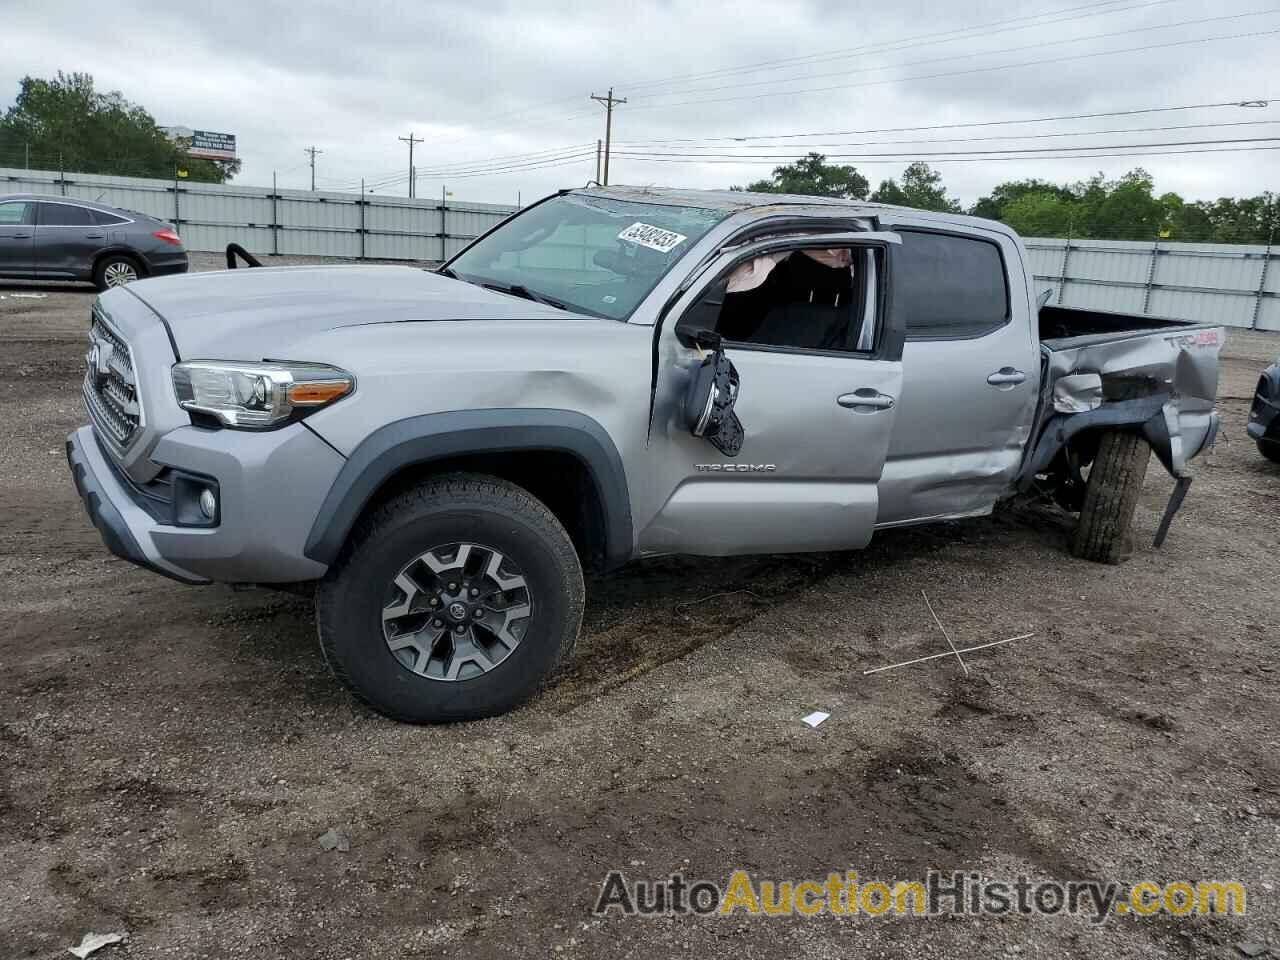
x: 451, y: 601
x: 1110, y: 498
x: 1270, y: 449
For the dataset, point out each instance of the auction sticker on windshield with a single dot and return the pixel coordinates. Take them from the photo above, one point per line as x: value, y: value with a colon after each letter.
x: 655, y: 238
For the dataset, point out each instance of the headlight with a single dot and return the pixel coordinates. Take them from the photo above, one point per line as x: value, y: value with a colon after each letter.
x: 257, y: 396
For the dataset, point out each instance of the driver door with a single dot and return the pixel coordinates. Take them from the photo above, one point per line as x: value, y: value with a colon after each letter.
x: 820, y: 374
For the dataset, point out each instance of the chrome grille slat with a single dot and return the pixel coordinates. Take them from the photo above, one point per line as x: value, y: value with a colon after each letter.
x: 110, y: 392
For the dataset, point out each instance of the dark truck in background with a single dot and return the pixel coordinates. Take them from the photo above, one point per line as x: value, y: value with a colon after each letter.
x: 609, y: 374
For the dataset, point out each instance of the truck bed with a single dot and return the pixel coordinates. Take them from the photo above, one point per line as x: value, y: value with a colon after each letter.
x: 1068, y: 327
x: 1133, y: 357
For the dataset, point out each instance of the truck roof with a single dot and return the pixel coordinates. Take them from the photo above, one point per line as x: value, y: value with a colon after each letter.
x: 741, y: 200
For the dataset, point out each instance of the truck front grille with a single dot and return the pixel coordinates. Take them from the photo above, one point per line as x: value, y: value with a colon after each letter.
x: 110, y: 386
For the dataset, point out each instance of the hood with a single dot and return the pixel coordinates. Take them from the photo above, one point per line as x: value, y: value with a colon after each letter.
x: 253, y: 314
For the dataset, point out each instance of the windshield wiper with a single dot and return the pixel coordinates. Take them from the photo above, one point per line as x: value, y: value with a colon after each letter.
x: 520, y: 290
x: 447, y: 272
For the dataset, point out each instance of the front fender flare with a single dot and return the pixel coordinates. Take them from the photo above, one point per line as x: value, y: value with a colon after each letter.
x: 439, y: 436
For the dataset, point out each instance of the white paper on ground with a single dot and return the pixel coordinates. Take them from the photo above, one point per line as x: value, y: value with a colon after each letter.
x: 815, y: 718
x: 94, y: 941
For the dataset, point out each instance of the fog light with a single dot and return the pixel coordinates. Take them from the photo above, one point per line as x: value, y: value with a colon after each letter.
x: 208, y: 503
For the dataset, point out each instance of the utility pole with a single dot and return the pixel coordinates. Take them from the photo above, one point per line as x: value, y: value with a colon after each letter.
x: 609, y: 101
x: 311, y: 152
x: 411, y: 140
x: 599, y: 146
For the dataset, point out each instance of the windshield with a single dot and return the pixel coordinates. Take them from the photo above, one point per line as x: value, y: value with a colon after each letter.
x: 592, y: 254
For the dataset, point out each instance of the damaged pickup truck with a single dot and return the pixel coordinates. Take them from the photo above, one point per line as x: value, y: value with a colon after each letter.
x: 607, y: 375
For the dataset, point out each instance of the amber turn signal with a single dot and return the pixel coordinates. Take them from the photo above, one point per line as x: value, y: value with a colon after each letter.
x: 316, y: 393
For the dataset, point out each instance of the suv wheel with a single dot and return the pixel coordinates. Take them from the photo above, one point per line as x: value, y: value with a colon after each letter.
x: 452, y: 601
x: 115, y: 271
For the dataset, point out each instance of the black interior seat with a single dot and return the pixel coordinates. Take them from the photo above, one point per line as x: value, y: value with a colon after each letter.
x: 802, y: 304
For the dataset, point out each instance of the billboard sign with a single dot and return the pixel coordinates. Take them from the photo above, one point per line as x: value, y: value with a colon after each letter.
x: 212, y: 146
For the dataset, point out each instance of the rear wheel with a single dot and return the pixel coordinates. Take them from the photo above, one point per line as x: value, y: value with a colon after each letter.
x: 453, y: 601
x: 1270, y: 449
x: 1110, y: 497
x: 115, y: 270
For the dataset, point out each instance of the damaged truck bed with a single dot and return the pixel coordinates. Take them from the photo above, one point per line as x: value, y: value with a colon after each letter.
x: 1103, y: 369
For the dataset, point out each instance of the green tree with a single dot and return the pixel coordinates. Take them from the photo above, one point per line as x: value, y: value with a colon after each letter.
x: 1002, y: 195
x: 812, y: 176
x: 1040, y: 215
x: 921, y: 187
x: 67, y: 120
x: 1124, y: 209
x: 1244, y: 220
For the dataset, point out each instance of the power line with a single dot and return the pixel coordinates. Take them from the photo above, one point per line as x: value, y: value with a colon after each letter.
x: 971, y: 72
x: 927, y: 39
x: 984, y: 28
x: 394, y: 178
x: 961, y: 125
x: 531, y: 155
x: 492, y: 169
x: 973, y: 156
x: 507, y: 163
x: 494, y: 173
x: 1056, y: 42
x: 1023, y: 136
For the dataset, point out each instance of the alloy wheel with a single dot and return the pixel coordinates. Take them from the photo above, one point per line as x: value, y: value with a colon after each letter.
x: 119, y: 273
x: 456, y: 611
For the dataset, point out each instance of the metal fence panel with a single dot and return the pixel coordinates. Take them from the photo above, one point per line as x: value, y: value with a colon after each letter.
x: 210, y: 215
x: 1207, y: 282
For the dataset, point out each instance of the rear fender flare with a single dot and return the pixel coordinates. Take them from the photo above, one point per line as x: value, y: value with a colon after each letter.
x: 1154, y: 416
x: 440, y: 436
x: 118, y: 250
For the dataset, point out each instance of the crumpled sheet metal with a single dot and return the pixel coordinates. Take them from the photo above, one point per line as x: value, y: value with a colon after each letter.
x: 1077, y: 393
x: 1183, y: 365
x: 1185, y: 360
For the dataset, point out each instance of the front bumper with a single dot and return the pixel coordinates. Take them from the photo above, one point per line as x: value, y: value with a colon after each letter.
x: 270, y: 486
x: 108, y: 504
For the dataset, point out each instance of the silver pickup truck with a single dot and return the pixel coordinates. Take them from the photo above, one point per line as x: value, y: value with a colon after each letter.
x: 609, y: 374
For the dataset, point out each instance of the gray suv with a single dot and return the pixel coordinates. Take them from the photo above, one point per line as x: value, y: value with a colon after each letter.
x: 62, y: 238
x: 608, y: 375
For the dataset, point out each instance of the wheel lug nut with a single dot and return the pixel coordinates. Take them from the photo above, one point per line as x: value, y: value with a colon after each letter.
x: 475, y: 592
x: 437, y: 623
x: 459, y: 629
x: 453, y: 588
x: 435, y: 601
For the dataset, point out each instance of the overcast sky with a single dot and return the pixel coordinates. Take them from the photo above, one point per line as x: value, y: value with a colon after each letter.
x: 480, y: 81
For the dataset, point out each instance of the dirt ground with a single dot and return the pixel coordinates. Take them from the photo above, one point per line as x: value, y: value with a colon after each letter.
x: 169, y: 756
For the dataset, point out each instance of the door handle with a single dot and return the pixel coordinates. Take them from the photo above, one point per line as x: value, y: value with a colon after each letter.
x: 22, y: 236
x: 1006, y: 377
x: 95, y: 236
x: 865, y: 400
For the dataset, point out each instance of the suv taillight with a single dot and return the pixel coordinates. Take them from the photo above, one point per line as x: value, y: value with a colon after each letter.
x: 168, y: 236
